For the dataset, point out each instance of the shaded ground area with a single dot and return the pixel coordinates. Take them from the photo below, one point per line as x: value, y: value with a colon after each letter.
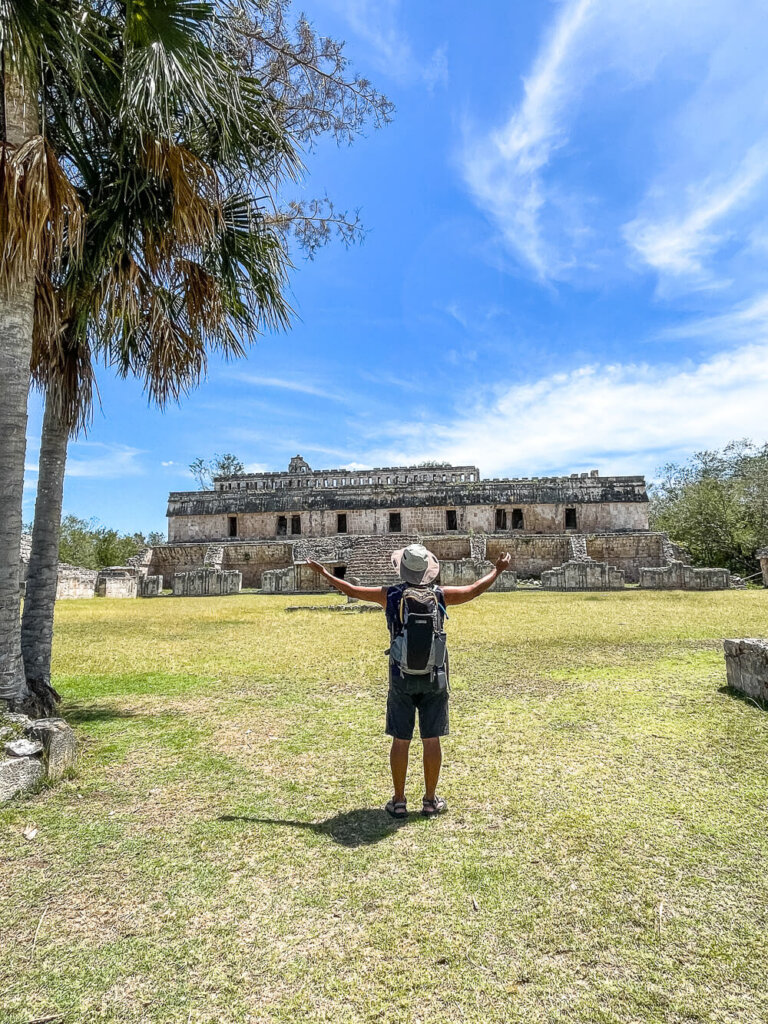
x: 222, y: 856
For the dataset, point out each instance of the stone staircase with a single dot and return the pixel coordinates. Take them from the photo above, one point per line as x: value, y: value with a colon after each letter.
x: 214, y: 556
x: 579, y: 548
x: 369, y: 558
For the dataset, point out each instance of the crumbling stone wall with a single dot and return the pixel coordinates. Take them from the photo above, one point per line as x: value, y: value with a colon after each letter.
x: 746, y: 666
x: 630, y: 552
x: 678, y: 576
x: 248, y: 558
x: 585, y: 574
x: 204, y: 582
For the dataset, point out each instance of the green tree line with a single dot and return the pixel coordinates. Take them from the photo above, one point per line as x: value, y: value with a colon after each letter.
x: 88, y: 543
x: 715, y: 505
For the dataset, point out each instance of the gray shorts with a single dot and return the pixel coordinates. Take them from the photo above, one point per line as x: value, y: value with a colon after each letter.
x: 401, y: 713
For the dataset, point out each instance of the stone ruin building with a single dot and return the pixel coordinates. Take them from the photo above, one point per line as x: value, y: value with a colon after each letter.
x: 257, y: 530
x: 593, y: 529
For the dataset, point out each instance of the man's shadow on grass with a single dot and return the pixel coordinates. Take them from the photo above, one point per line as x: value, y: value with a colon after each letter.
x: 362, y: 827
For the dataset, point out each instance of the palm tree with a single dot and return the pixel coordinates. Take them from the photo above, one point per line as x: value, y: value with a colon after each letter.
x: 177, y: 262
x: 39, y: 219
x: 191, y: 135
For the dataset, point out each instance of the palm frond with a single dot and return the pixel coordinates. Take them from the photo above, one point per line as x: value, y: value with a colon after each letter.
x: 41, y: 215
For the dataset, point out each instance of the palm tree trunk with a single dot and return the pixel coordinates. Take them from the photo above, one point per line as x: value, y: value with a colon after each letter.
x: 42, y: 573
x: 17, y: 306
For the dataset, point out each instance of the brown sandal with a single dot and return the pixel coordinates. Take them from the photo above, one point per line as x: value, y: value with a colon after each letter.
x: 397, y: 808
x: 431, y: 808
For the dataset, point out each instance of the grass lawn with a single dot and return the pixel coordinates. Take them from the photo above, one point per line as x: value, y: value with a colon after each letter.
x: 221, y: 855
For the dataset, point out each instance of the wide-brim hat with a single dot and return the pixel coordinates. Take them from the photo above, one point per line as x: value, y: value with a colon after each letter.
x: 415, y: 564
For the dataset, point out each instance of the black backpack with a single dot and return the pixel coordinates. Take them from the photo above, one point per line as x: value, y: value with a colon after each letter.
x: 418, y: 637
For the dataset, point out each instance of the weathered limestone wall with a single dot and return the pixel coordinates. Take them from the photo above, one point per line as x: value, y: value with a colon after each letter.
x: 117, y: 581
x: 583, y: 575
x: 746, y: 666
x: 251, y: 560
x: 678, y: 576
x: 26, y: 547
x: 73, y: 582
x: 206, y: 582
x: 763, y: 556
x: 531, y: 555
x: 629, y: 552
x: 546, y: 519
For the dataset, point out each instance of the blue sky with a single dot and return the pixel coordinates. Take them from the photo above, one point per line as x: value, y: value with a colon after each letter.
x: 565, y: 265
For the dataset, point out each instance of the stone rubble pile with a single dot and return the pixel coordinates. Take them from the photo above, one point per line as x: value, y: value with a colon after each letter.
x: 32, y: 750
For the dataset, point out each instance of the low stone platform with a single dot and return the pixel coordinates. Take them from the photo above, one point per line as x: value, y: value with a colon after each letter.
x: 583, y: 574
x: 33, y: 750
x: 678, y: 576
x: 746, y: 666
x: 207, y: 583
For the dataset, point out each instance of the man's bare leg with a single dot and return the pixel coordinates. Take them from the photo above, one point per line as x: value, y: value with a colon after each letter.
x: 398, y: 762
x: 433, y: 758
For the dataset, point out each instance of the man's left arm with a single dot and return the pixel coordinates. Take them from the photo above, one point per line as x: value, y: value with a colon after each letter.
x: 460, y: 595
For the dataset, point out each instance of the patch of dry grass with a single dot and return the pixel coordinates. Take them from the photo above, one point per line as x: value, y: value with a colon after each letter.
x: 222, y: 856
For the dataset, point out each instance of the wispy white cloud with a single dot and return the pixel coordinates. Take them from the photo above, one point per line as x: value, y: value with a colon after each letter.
x: 702, y: 162
x: 741, y: 322
x: 105, y: 461
x: 678, y: 244
x: 302, y: 387
x: 619, y: 417
x: 504, y: 171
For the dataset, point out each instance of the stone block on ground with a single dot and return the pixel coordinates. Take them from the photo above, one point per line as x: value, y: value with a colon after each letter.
x: 58, y: 744
x: 150, y: 586
x: 746, y: 666
x: 117, y: 581
x: 18, y: 774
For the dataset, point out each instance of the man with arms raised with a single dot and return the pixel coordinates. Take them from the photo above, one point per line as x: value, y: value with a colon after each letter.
x: 418, y: 661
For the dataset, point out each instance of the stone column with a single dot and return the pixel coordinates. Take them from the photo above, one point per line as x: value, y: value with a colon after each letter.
x: 763, y: 556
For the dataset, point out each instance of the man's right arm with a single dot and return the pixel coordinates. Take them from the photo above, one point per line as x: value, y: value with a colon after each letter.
x: 460, y: 595
x: 376, y: 594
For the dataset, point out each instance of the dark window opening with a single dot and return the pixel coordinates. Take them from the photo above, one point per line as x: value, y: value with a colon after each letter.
x: 451, y: 523
x: 282, y: 526
x: 232, y: 525
x: 395, y: 525
x: 501, y: 519
x: 341, y: 522
x: 517, y: 519
x: 570, y: 519
x: 340, y: 571
x: 295, y: 524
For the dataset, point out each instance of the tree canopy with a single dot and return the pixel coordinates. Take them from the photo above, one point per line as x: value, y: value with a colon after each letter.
x: 87, y: 543
x: 716, y: 505
x: 204, y: 470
